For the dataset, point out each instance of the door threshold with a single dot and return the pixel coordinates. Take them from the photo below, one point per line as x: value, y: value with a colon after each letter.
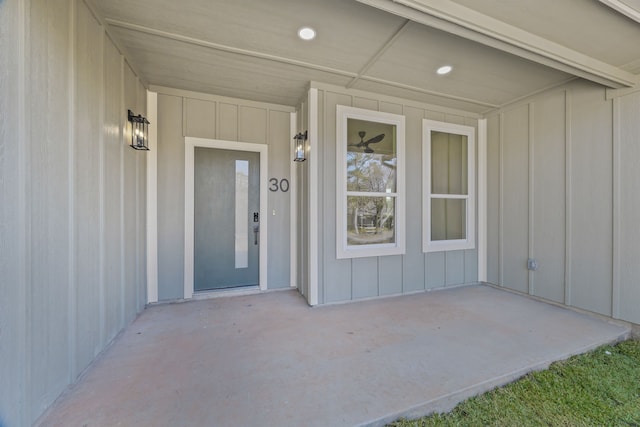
x: 227, y: 292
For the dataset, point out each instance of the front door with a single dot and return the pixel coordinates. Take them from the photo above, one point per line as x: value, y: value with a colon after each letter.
x: 226, y: 218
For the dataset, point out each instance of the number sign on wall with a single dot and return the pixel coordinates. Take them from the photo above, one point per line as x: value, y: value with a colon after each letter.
x: 279, y: 185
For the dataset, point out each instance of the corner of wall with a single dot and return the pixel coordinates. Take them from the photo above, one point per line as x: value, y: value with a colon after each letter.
x: 635, y: 331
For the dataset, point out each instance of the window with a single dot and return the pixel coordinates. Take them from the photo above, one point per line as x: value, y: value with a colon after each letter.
x: 448, y: 213
x: 370, y: 183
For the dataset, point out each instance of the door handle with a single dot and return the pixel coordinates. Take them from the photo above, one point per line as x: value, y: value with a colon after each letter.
x: 256, y: 230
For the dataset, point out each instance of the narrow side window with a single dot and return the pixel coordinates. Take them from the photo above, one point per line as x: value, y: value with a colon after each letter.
x: 448, y: 156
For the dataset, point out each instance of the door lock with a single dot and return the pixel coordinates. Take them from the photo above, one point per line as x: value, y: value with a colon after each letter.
x: 256, y: 230
x: 256, y: 217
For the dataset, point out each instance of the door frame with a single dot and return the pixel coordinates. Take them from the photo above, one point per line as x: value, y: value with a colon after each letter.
x: 190, y: 143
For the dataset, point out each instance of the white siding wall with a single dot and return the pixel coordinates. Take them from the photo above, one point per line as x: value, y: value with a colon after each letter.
x: 182, y: 113
x: 626, y: 295
x: 13, y: 224
x: 562, y: 176
x: 69, y: 193
x: 351, y: 279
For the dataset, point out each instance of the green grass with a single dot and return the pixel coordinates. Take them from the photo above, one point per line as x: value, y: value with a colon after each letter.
x: 601, y: 388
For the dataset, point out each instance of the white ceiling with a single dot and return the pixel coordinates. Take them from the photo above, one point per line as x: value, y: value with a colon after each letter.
x: 501, y: 50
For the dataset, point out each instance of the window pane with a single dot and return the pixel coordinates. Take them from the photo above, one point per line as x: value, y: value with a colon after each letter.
x: 448, y: 219
x: 449, y: 163
x: 370, y: 220
x: 242, y: 209
x: 371, y: 156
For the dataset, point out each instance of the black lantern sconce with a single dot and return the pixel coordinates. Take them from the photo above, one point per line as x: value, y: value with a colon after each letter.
x: 139, y: 131
x: 300, y: 147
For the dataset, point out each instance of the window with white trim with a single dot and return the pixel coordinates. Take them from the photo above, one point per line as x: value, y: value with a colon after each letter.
x: 369, y: 183
x: 448, y: 165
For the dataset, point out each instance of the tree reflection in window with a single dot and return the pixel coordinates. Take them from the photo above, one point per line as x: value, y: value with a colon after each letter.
x: 371, y: 216
x: 370, y: 202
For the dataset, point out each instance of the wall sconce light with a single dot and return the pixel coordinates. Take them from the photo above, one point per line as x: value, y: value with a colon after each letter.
x: 139, y: 131
x: 299, y: 154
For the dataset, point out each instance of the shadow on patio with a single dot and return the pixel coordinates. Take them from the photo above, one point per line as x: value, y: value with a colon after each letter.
x: 270, y: 360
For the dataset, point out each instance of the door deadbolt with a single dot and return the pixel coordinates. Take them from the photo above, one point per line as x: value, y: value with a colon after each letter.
x: 256, y: 230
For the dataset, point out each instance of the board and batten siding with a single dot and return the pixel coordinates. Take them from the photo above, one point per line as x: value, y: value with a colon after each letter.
x: 13, y: 221
x: 562, y: 178
x: 184, y: 113
x: 626, y: 213
x: 359, y: 278
x: 72, y: 252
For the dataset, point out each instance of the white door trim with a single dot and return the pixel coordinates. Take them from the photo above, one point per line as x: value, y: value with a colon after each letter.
x: 190, y: 143
x: 314, y: 198
x: 293, y: 209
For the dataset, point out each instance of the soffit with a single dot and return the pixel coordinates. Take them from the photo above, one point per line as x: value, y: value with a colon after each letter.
x: 488, y: 74
x: 172, y: 63
x: 248, y: 49
x: 587, y: 26
x: 348, y: 33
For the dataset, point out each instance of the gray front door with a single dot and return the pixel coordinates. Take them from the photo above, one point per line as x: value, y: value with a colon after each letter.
x: 226, y: 218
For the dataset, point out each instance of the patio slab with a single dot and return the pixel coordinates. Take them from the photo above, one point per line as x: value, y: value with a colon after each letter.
x: 270, y: 360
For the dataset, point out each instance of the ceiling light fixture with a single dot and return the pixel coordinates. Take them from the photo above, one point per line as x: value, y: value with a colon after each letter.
x: 307, y: 33
x: 446, y: 69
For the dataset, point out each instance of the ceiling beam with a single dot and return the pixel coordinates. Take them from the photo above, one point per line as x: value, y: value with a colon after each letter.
x: 456, y: 19
x: 427, y: 92
x: 379, y: 53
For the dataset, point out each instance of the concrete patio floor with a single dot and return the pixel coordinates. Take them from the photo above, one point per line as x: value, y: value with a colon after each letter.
x: 270, y: 360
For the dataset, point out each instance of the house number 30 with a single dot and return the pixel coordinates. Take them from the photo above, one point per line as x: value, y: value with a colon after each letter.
x: 282, y: 185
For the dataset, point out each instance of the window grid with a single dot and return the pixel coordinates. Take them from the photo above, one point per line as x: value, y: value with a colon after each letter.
x: 388, y: 223
x: 467, y: 174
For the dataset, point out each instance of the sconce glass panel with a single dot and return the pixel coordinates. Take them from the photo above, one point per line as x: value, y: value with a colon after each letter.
x: 299, y: 154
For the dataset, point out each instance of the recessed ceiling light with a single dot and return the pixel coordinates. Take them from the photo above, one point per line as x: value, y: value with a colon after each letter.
x: 307, y: 33
x: 446, y: 69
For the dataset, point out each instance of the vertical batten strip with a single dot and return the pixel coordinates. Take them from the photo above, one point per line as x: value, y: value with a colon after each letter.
x: 531, y: 219
x: 313, y: 196
x: 264, y: 214
x: 189, y: 180
x: 568, y: 210
x: 615, y: 297
x: 101, y: 195
x: 482, y: 201
x: 501, y: 206
x: 152, y: 199
x: 123, y: 232
x: 264, y: 207
x: 24, y: 217
x: 72, y: 310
